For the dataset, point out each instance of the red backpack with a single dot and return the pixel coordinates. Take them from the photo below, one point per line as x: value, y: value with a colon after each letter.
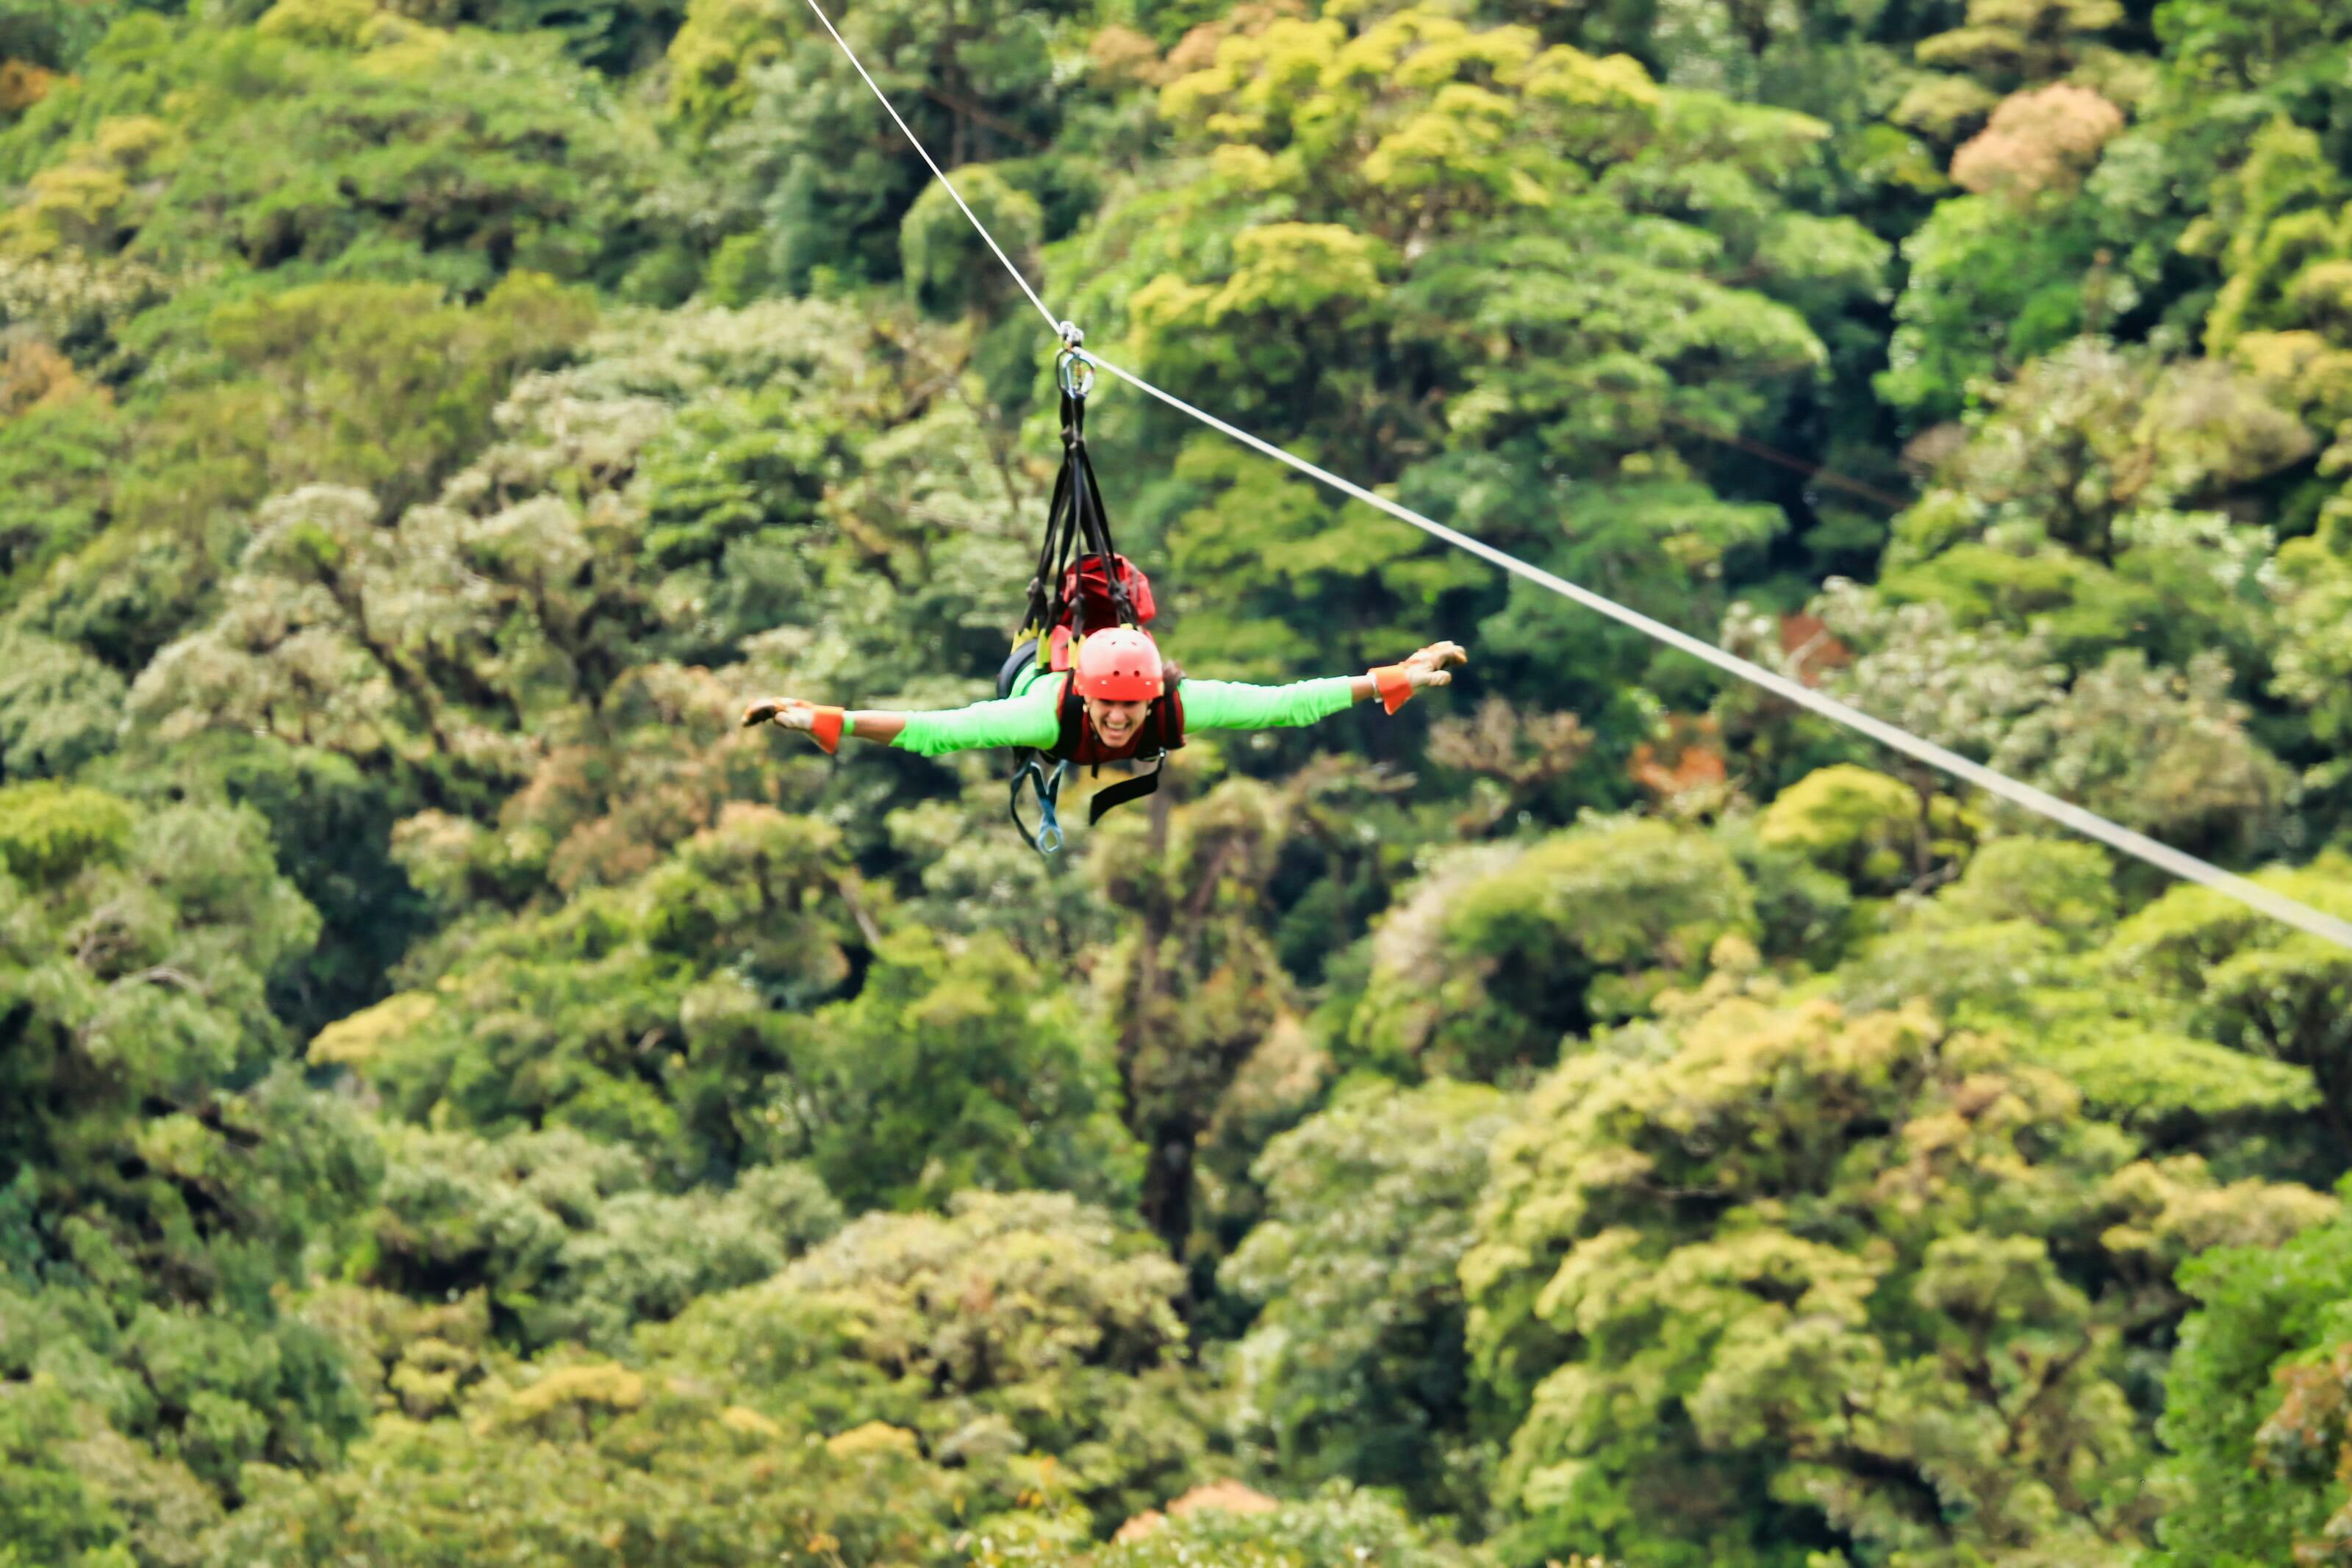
x: 1087, y: 600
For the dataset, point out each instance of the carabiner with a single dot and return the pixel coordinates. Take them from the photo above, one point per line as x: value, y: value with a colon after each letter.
x: 1046, y: 837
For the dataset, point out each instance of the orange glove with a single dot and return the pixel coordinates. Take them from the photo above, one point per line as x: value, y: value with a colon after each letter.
x: 825, y: 726
x: 1394, y: 684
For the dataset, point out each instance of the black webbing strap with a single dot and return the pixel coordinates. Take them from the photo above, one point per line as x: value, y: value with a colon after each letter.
x: 1029, y: 769
x: 1126, y: 790
x: 1053, y: 551
x: 1086, y: 530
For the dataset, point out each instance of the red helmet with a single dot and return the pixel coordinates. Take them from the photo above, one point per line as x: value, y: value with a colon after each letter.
x: 1120, y: 665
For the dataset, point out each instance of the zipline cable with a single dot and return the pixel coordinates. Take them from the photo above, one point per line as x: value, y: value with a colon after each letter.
x: 2126, y: 840
x: 1052, y: 324
x: 2136, y: 844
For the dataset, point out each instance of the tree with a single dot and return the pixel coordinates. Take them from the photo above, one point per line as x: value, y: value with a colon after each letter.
x: 764, y: 88
x: 163, y: 1181
x: 51, y: 1512
x: 1912, y: 665
x: 2093, y: 449
x: 1354, y: 1366
x: 1014, y: 1324
x: 1830, y: 1283
x: 2244, y: 45
x: 588, y: 1462
x: 653, y: 1014
x: 2038, y: 142
x: 1992, y: 286
x: 2162, y: 752
x: 2251, y: 1414
x: 565, y: 1239
x: 2013, y: 41
x: 1196, y: 989
x: 1339, y: 1526
x: 59, y: 707
x: 2253, y: 985
x: 2314, y: 659
x: 426, y: 156
x: 1865, y: 826
x: 1503, y: 951
x: 384, y: 387
x: 1558, y: 278
x: 958, y: 1068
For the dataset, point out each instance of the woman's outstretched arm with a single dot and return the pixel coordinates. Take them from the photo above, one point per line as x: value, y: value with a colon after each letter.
x: 1232, y: 704
x: 1031, y: 718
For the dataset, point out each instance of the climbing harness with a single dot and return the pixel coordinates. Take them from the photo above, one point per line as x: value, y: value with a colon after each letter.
x: 1082, y: 584
x: 2065, y: 813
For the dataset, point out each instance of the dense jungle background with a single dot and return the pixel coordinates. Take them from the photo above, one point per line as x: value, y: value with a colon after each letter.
x: 463, y: 1101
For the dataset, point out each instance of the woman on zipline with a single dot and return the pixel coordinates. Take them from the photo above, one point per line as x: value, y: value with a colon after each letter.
x: 1122, y: 702
x: 1085, y: 683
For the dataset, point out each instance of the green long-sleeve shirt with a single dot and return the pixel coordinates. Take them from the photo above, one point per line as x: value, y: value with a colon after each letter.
x: 1032, y: 715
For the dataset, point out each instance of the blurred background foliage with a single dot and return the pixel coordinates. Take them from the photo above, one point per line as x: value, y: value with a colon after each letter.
x: 466, y: 1101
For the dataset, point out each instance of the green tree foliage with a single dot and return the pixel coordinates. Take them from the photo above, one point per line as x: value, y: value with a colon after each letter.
x: 343, y: 382
x: 2086, y: 494
x: 760, y: 85
x: 2252, y: 985
x: 990, y: 1306
x: 1011, y: 1364
x: 636, y: 1014
x: 565, y: 1239
x: 957, y: 1070
x: 51, y: 1512
x: 1863, y: 826
x: 1325, y: 121
x: 163, y: 1184
x: 2166, y: 753
x: 2253, y: 1408
x: 1499, y: 953
x: 589, y: 1462
x: 680, y: 1015
x: 429, y: 155
x: 1991, y: 287
x: 1521, y: 225
x: 59, y: 706
x: 1887, y: 1307
x: 2025, y: 942
x: 56, y: 453
x: 1197, y: 992
x: 381, y: 386
x: 1620, y: 1114
x: 1354, y: 1368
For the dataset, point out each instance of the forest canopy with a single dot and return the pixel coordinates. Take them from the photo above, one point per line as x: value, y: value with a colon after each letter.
x: 464, y: 1098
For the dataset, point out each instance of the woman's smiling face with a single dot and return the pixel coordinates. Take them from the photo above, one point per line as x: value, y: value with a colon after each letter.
x: 1117, y: 723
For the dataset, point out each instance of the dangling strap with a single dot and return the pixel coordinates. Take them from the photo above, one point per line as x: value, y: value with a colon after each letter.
x: 1046, y: 837
x: 1394, y: 684
x: 1126, y: 790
